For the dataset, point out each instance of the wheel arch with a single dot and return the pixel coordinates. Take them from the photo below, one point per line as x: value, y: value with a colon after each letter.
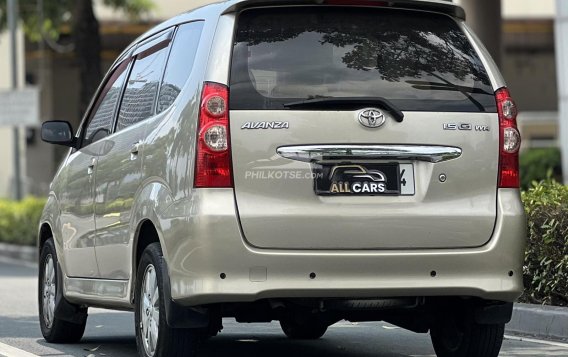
x: 152, y: 197
x: 177, y: 316
x: 49, y: 224
x: 45, y: 232
x: 146, y: 234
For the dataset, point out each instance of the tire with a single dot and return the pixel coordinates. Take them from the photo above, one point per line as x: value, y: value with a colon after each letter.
x: 310, y: 329
x: 467, y: 339
x: 154, y: 337
x: 54, y: 329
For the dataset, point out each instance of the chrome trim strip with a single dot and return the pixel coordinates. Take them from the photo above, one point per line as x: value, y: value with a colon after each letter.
x: 317, y: 153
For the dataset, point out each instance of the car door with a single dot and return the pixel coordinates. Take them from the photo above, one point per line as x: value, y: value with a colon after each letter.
x: 77, y: 200
x: 118, y: 173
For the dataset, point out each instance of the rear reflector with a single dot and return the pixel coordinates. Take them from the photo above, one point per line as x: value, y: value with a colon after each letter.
x: 509, y: 140
x: 213, y: 158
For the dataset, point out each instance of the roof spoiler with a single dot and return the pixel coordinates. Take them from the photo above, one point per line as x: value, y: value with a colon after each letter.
x: 443, y: 6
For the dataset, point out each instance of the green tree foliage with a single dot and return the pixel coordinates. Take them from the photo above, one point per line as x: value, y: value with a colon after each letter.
x: 45, y: 17
x: 19, y: 220
x: 546, y: 259
x: 539, y: 164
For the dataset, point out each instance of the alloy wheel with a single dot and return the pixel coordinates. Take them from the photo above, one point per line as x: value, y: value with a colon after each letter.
x: 48, y: 292
x: 150, y: 311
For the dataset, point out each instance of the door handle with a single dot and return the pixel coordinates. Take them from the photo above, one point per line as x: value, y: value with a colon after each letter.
x: 134, y: 150
x: 91, y: 167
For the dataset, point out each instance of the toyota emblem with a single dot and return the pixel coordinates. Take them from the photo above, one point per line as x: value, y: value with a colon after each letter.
x: 371, y: 118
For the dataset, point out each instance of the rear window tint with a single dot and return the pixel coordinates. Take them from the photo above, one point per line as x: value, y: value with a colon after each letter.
x: 140, y: 95
x: 180, y: 63
x: 419, y: 61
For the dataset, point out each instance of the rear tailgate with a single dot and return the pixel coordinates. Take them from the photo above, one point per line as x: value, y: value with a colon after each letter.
x: 344, y: 194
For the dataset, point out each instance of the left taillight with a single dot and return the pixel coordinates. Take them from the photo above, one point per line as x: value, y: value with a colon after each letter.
x: 509, y: 140
x: 213, y: 157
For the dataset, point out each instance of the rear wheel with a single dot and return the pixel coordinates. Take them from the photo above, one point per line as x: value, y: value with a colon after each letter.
x: 466, y: 338
x: 54, y: 329
x: 309, y: 329
x: 153, y: 335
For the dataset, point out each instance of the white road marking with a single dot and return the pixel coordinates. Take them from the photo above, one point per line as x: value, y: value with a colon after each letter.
x: 9, y: 351
x: 534, y: 340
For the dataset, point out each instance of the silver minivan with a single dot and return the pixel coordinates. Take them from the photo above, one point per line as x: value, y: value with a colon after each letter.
x: 304, y: 161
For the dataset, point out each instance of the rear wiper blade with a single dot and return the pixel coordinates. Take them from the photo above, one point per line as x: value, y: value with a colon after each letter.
x: 424, y: 85
x: 342, y: 102
x: 466, y: 91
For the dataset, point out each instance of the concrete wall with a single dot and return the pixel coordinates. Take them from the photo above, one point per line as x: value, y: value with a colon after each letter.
x: 6, y: 136
x: 6, y: 163
x: 515, y: 9
x: 40, y: 165
x: 531, y: 77
x: 163, y: 9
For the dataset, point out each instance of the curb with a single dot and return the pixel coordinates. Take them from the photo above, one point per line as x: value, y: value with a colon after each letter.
x: 19, y: 252
x: 544, y: 322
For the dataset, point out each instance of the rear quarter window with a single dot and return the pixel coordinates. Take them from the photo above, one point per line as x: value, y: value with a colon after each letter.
x: 180, y: 63
x: 419, y: 61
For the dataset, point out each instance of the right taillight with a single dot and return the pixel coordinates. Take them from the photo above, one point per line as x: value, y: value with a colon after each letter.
x: 213, y: 157
x: 509, y: 140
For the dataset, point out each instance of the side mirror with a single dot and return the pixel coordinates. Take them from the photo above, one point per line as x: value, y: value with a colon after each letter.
x: 58, y: 132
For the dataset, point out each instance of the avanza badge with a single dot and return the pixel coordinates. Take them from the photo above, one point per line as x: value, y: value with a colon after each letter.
x: 266, y: 125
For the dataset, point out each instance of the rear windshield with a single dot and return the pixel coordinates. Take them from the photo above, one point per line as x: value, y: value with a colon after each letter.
x: 418, y: 61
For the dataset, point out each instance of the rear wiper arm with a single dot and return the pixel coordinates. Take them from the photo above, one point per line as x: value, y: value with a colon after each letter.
x: 342, y: 102
x: 446, y: 87
x: 451, y: 88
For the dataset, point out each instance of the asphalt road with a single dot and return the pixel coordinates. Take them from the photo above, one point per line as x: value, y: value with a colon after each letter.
x: 112, y: 333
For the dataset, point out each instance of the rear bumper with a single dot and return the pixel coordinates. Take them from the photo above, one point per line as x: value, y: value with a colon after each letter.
x: 214, y: 264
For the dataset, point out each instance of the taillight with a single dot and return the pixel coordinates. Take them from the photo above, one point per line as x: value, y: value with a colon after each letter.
x: 509, y: 140
x: 213, y: 158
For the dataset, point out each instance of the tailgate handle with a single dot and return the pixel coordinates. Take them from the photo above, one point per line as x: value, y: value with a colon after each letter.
x: 317, y: 153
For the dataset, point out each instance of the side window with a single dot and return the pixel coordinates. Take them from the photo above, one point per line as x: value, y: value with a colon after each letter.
x: 142, y: 87
x: 102, y: 117
x: 180, y: 63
